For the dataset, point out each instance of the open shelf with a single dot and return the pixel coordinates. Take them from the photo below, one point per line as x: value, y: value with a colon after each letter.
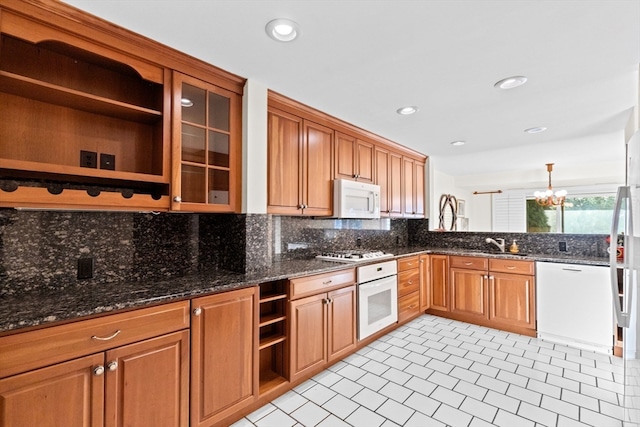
x: 73, y: 117
x: 270, y: 340
x: 271, y: 318
x: 58, y: 95
x: 273, y: 335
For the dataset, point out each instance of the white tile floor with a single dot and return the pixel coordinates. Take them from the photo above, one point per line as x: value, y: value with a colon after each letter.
x: 436, y: 372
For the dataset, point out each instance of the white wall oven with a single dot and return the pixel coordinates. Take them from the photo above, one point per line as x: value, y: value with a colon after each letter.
x: 377, y: 297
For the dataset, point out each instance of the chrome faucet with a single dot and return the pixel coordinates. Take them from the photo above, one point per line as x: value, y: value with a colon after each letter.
x: 499, y: 245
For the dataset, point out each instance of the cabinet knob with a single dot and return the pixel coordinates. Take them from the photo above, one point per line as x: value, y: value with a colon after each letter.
x: 177, y: 199
x: 197, y: 311
x: 410, y: 282
x: 98, y: 370
x: 112, y: 366
x: 327, y: 282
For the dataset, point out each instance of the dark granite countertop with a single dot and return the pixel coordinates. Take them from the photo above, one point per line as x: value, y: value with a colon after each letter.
x: 36, y: 308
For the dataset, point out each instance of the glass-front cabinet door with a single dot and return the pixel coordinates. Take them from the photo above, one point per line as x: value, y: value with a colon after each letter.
x: 206, y: 151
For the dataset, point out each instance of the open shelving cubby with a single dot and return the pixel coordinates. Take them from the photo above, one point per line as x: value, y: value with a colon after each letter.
x: 273, y: 335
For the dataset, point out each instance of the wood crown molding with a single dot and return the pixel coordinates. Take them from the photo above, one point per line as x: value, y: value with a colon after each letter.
x: 69, y: 19
x: 281, y: 102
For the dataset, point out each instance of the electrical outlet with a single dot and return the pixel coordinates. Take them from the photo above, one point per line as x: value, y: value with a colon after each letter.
x: 562, y: 246
x: 85, y: 267
x: 88, y: 159
x: 108, y: 161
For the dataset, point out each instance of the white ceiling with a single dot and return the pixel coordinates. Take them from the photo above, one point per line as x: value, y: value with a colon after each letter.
x: 361, y: 60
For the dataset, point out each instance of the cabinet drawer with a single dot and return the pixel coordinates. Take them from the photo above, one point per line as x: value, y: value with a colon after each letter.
x: 408, y: 281
x: 24, y: 351
x: 310, y: 285
x: 408, y: 306
x: 408, y: 263
x: 511, y: 266
x: 473, y: 263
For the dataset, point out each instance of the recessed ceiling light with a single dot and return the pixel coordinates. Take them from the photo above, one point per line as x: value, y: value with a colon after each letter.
x: 186, y: 102
x: 535, y: 130
x: 283, y: 30
x: 458, y: 143
x: 511, y: 82
x: 405, y: 111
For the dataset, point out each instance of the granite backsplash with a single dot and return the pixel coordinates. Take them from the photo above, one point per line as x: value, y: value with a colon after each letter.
x: 39, y: 250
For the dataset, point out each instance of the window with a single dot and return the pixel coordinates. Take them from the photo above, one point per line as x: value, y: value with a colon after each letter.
x: 584, y: 212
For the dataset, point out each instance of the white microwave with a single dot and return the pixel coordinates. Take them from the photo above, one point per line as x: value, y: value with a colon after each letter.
x: 352, y: 199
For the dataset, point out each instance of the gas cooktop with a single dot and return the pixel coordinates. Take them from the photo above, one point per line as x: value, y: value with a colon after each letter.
x: 354, y: 255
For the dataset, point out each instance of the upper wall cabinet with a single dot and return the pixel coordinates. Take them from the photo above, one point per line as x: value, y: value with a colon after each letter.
x: 206, y: 146
x: 73, y: 120
x: 307, y: 149
x: 86, y: 118
x: 389, y: 177
x: 413, y: 188
x: 299, y: 165
x: 353, y: 159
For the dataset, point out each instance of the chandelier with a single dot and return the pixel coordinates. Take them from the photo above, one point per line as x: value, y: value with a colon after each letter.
x: 549, y: 197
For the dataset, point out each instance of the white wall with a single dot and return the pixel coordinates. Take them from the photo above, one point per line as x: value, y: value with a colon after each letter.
x: 254, y: 148
x: 565, y: 175
x: 440, y: 183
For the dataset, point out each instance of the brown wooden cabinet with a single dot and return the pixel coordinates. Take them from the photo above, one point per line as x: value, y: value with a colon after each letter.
x: 99, y: 123
x: 122, y: 369
x: 494, y: 292
x: 512, y: 293
x: 224, y: 369
x: 408, y: 288
x: 425, y: 280
x: 353, y: 158
x: 389, y: 177
x: 439, y: 283
x: 86, y: 117
x: 300, y: 159
x: 66, y: 394
x: 147, y: 383
x: 468, y: 287
x: 322, y: 320
x: 413, y: 188
x: 206, y: 147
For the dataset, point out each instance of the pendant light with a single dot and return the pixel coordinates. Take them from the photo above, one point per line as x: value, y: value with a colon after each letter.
x: 549, y: 197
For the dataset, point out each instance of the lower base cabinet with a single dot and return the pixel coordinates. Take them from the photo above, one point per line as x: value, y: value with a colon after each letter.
x: 66, y: 394
x: 145, y: 383
x: 224, y: 370
x: 151, y: 383
x: 322, y: 324
x: 408, y: 288
x: 493, y: 292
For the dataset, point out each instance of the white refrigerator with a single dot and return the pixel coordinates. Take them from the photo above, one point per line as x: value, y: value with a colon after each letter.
x: 626, y: 228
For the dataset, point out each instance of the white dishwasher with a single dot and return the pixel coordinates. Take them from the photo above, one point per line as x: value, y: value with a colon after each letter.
x: 574, y: 305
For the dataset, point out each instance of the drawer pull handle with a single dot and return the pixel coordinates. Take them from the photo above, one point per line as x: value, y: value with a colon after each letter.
x: 98, y: 370
x: 412, y: 306
x: 510, y: 267
x: 468, y: 263
x: 110, y: 337
x: 112, y: 366
x: 327, y: 282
